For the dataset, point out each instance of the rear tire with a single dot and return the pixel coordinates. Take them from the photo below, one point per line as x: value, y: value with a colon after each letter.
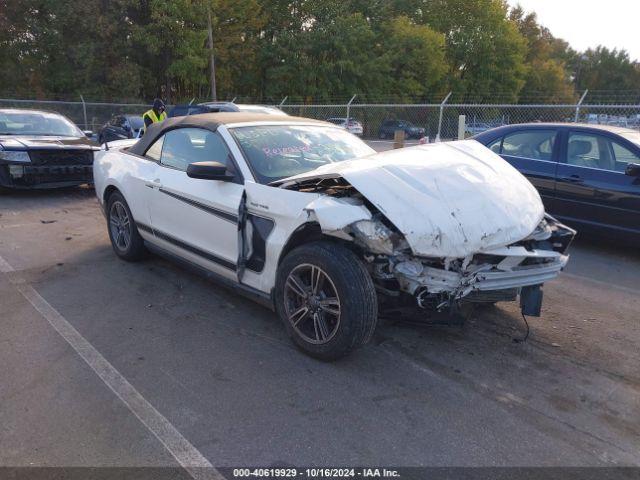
x: 326, y: 299
x: 123, y: 233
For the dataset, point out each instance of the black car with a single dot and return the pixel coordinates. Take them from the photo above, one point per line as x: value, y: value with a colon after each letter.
x: 214, y: 107
x: 587, y: 175
x: 43, y: 150
x: 389, y: 127
x: 120, y: 127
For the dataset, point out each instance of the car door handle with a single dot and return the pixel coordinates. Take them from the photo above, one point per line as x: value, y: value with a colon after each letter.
x: 155, y: 183
x: 573, y: 178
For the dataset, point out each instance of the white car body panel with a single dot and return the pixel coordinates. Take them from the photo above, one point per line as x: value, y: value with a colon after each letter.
x: 128, y: 174
x: 186, y: 215
x: 447, y: 199
x: 333, y: 214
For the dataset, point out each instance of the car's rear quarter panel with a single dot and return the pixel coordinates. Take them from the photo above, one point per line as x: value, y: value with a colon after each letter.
x: 128, y: 174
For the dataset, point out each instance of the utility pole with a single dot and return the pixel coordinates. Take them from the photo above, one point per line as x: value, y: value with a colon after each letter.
x: 212, y: 59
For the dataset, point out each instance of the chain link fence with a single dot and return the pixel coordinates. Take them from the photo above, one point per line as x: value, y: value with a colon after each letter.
x: 478, y: 118
x: 434, y: 118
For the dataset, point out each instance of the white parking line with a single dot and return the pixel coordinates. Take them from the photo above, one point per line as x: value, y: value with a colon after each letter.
x: 188, y: 456
x: 4, y: 266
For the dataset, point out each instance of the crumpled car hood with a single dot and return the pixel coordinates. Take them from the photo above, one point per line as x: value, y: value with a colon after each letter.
x: 449, y: 199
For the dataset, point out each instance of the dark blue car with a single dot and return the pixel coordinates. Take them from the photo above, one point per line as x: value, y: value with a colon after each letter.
x: 587, y: 175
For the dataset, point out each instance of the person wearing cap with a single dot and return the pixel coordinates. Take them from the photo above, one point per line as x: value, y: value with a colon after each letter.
x: 155, y: 114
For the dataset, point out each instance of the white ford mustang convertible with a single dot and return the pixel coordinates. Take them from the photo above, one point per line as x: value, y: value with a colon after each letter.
x: 307, y: 218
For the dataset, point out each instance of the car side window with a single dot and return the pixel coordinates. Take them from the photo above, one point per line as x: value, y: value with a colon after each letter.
x: 495, y: 145
x: 590, y: 150
x: 187, y: 145
x: 533, y: 144
x: 155, y: 150
x: 623, y: 156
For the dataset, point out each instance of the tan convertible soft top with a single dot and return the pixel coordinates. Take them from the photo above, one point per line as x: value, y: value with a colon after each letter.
x: 211, y: 121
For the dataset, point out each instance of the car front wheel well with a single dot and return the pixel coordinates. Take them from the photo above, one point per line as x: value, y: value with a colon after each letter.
x: 107, y: 193
x: 308, y: 233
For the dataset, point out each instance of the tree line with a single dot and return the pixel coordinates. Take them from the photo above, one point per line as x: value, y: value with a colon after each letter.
x: 320, y: 50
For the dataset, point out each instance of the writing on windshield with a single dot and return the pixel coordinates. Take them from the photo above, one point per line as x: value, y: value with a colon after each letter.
x: 279, y: 151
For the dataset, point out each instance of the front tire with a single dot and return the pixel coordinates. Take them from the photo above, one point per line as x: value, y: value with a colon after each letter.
x: 123, y: 233
x: 326, y: 299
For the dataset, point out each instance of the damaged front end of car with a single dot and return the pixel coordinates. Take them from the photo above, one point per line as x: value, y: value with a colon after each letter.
x: 490, y: 276
x: 406, y: 279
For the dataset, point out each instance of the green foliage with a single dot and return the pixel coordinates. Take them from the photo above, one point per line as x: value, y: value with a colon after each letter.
x: 547, y: 79
x: 604, y: 69
x: 307, y: 49
x: 485, y: 50
x: 414, y: 58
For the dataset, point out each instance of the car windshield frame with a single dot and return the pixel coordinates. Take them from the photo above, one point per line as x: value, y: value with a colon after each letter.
x: 68, y: 128
x: 345, y: 146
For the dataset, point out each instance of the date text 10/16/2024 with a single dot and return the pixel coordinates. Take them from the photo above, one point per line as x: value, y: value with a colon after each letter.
x: 315, y: 473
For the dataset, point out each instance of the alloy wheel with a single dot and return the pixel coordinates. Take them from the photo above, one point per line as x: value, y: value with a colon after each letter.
x: 120, y: 226
x: 312, y: 304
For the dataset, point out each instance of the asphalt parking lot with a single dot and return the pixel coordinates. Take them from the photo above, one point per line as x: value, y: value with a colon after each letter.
x: 231, y: 387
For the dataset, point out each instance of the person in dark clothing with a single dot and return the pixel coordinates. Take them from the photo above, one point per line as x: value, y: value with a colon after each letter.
x: 155, y: 114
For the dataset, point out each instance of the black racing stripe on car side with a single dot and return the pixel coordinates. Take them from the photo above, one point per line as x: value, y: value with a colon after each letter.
x: 185, y: 246
x: 214, y: 211
x: 144, y: 228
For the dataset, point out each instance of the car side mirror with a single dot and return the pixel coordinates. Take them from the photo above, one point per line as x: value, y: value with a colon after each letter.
x: 209, y: 171
x: 88, y: 133
x: 633, y: 170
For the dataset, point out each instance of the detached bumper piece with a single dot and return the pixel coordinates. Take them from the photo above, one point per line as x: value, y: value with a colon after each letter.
x: 531, y: 301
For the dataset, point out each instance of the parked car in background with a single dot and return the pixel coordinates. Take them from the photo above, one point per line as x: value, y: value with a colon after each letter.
x: 310, y: 220
x: 351, y: 125
x: 634, y: 121
x: 389, y: 128
x: 587, y: 175
x: 43, y: 150
x: 213, y: 107
x: 121, y: 127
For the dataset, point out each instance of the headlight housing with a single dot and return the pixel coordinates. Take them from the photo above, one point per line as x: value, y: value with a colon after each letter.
x: 14, y: 156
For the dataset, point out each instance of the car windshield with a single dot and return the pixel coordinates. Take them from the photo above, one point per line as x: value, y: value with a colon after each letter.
x: 632, y: 136
x: 279, y: 151
x: 37, y: 123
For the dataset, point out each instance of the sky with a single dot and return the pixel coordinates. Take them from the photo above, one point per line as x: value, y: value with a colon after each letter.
x: 589, y: 23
